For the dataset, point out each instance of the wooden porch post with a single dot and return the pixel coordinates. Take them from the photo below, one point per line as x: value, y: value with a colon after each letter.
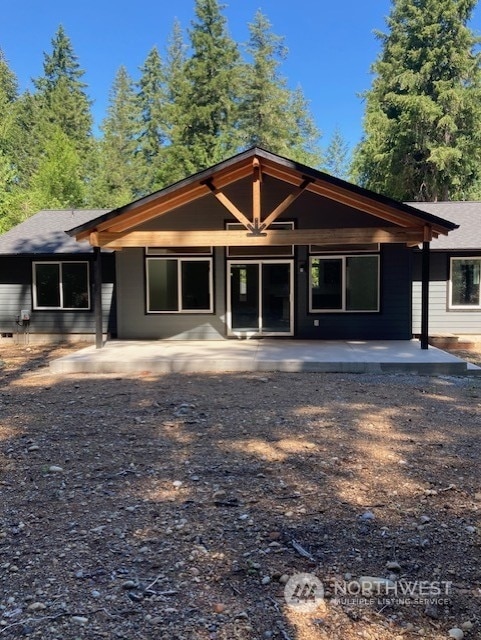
x: 98, y: 297
x: 425, y: 296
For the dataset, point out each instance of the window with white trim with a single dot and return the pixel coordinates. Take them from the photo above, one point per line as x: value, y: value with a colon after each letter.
x: 464, y: 283
x: 179, y: 285
x: 344, y: 283
x: 61, y: 285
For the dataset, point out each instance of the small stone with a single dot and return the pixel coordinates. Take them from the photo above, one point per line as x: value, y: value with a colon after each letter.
x: 477, y: 496
x: 129, y: 584
x: 219, y: 607
x: 284, y: 579
x: 177, y: 484
x: 425, y: 519
x: 36, y: 606
x: 456, y: 633
x: 55, y: 469
x: 244, y: 516
x: 467, y: 626
x: 431, y: 611
x: 156, y: 620
x: 368, y: 515
x: 34, y: 447
x: 80, y: 619
x: 265, y: 580
x: 95, y: 594
x: 394, y: 566
x: 470, y: 529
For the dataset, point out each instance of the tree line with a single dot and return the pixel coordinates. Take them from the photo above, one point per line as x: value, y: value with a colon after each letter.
x: 193, y: 106
x: 199, y: 102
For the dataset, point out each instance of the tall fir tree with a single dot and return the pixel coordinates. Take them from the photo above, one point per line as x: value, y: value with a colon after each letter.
x: 336, y: 159
x: 422, y: 126
x: 116, y: 174
x: 271, y: 115
x: 207, y: 110
x: 176, y: 90
x: 62, y: 91
x: 151, y: 99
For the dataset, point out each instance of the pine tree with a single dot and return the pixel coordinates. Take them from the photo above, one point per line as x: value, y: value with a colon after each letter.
x: 271, y: 115
x: 116, y: 175
x: 422, y: 127
x: 336, y: 160
x: 208, y: 108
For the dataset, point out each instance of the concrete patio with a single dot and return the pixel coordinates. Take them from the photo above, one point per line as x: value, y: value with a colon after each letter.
x: 130, y: 357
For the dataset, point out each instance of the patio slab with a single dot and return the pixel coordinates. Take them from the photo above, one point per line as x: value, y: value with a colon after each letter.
x: 165, y: 356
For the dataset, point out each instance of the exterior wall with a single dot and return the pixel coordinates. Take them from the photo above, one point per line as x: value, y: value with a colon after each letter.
x: 392, y: 322
x: 16, y: 294
x: 442, y: 320
x: 134, y: 323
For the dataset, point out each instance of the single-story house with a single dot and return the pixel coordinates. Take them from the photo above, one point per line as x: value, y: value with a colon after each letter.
x: 257, y: 245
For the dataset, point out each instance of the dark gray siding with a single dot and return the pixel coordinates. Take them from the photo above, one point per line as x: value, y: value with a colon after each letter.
x: 441, y: 318
x: 16, y: 294
x: 392, y: 322
x: 134, y: 323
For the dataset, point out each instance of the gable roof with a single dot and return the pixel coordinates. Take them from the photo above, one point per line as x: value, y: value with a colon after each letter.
x: 240, y: 166
x: 467, y: 215
x: 44, y: 233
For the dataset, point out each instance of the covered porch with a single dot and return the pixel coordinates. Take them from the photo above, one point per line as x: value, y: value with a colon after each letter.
x: 266, y: 355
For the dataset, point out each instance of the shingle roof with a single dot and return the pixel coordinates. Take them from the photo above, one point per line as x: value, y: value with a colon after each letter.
x: 44, y: 233
x: 466, y: 214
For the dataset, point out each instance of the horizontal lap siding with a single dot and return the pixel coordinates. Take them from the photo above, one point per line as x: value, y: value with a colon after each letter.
x: 135, y: 323
x: 16, y: 294
x: 441, y: 319
x: 392, y: 322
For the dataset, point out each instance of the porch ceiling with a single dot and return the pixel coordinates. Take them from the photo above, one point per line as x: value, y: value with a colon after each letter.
x: 397, y: 222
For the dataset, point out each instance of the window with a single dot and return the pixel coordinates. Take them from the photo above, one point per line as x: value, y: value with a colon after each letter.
x: 344, y: 283
x: 61, y: 285
x: 179, y: 285
x: 465, y: 283
x: 264, y: 251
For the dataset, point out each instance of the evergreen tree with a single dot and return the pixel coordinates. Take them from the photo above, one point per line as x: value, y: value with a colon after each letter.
x: 271, y: 115
x: 9, y: 178
x: 337, y: 156
x: 115, y: 179
x: 176, y: 90
x: 58, y: 182
x: 152, y: 135
x: 208, y: 108
x: 65, y: 103
x: 423, y: 113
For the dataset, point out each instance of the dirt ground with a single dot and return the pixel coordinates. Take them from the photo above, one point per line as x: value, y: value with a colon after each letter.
x: 184, y: 506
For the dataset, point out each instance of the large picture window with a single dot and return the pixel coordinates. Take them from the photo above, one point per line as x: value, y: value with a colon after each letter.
x: 61, y: 285
x: 179, y: 285
x: 465, y: 283
x: 344, y: 283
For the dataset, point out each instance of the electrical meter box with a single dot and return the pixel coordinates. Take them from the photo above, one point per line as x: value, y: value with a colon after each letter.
x: 25, y: 314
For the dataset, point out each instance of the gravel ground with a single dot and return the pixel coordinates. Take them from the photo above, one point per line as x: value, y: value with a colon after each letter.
x: 179, y: 506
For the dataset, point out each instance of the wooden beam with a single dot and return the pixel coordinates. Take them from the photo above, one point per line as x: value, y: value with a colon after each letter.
x: 229, y: 205
x: 285, y: 203
x: 256, y: 194
x: 239, y: 237
x: 162, y: 203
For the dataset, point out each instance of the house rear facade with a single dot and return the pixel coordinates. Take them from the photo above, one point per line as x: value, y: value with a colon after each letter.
x: 256, y: 246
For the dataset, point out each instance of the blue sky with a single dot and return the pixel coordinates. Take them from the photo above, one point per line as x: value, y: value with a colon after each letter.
x: 331, y: 44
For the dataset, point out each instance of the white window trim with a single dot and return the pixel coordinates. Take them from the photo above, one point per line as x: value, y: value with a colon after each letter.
x: 179, y: 284
x: 60, y: 263
x: 343, y: 258
x: 461, y: 307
